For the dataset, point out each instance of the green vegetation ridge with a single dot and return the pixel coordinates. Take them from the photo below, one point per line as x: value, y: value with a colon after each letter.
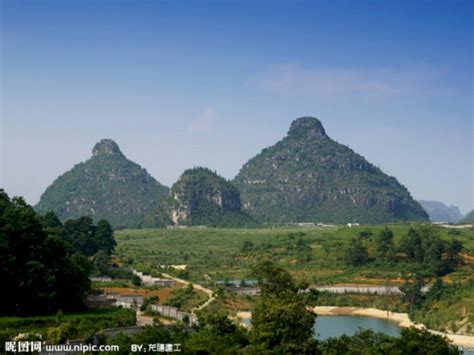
x: 308, y: 177
x: 201, y: 197
x: 107, y: 186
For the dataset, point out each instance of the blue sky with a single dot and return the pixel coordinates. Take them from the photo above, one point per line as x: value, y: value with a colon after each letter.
x: 181, y: 84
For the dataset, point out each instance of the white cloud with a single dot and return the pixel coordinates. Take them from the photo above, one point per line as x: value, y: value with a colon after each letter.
x: 204, y: 123
x: 375, y: 83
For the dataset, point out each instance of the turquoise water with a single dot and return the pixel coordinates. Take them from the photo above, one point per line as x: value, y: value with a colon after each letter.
x: 335, y: 326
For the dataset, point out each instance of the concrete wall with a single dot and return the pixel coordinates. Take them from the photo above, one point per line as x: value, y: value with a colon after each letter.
x: 174, y: 313
x: 381, y: 290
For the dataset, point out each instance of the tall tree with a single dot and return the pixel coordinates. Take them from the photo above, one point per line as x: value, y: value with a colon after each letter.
x: 216, y: 334
x: 384, y: 245
x: 104, y: 237
x: 81, y: 234
x: 433, y: 255
x: 411, y: 246
x: 304, y: 251
x: 411, y: 289
x: 87, y: 238
x: 50, y: 220
x: 453, y: 248
x: 39, y: 271
x: 411, y: 341
x: 281, y: 321
x: 356, y: 253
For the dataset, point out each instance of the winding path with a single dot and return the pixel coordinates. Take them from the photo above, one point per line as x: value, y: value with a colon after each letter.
x: 209, y: 292
x: 185, y: 282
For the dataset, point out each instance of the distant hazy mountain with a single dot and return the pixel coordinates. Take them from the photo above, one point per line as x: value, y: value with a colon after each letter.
x: 308, y: 177
x: 468, y: 218
x: 108, y: 185
x: 201, y: 197
x: 439, y: 212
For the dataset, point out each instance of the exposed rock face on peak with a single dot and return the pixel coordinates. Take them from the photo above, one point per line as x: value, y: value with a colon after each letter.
x: 108, y: 185
x: 309, y: 126
x: 308, y: 177
x: 439, y: 212
x: 106, y: 147
x: 201, y: 197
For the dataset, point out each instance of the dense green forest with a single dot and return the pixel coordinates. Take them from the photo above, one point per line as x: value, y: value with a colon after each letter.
x: 305, y: 177
x: 201, y: 197
x: 45, y: 265
x: 106, y: 186
x: 308, y: 177
x: 420, y: 249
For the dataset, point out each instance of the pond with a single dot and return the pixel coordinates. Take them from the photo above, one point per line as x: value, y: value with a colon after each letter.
x: 335, y: 326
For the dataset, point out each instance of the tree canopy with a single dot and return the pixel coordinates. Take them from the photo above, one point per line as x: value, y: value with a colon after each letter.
x: 420, y: 248
x: 88, y: 238
x: 40, y: 271
x: 281, y: 321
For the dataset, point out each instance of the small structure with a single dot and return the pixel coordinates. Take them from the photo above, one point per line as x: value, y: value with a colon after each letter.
x: 101, y: 279
x: 306, y: 224
x: 163, y: 282
x: 99, y: 301
x: 174, y: 313
x: 154, y: 281
x: 323, y: 225
x: 350, y: 225
x: 126, y: 301
x: 303, y: 224
x: 244, y: 291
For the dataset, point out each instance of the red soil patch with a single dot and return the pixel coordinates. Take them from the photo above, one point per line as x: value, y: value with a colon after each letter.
x: 162, y: 293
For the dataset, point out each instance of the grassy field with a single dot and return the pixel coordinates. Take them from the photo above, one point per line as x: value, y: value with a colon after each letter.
x: 218, y: 253
x: 228, y: 254
x: 186, y: 299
